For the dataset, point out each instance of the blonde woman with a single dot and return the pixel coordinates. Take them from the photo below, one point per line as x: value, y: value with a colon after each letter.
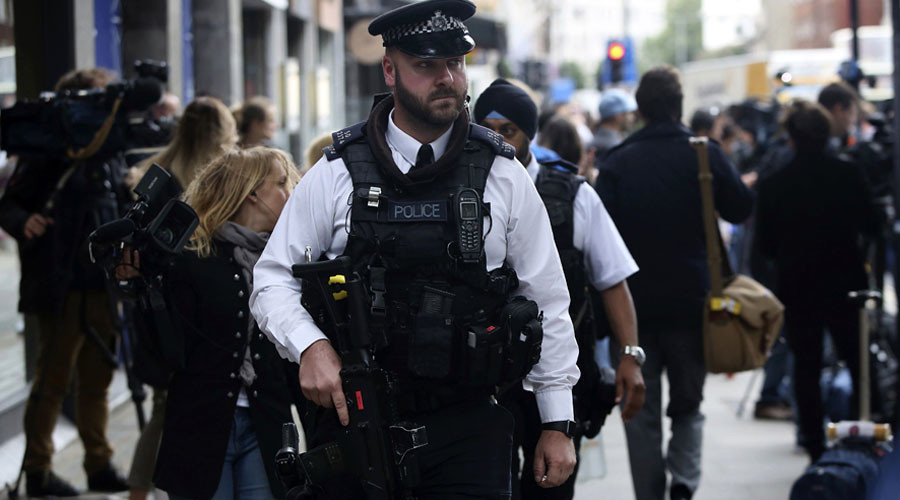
x: 257, y: 121
x: 226, y: 406
x: 206, y: 131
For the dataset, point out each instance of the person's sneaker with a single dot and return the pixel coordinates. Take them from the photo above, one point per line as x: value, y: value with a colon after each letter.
x: 107, y: 480
x: 47, y: 484
x: 680, y: 492
x: 773, y: 411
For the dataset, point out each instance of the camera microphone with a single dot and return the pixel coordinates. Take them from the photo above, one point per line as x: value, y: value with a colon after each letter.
x: 112, y: 232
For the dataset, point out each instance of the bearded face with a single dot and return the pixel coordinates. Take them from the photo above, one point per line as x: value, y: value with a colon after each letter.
x: 431, y: 91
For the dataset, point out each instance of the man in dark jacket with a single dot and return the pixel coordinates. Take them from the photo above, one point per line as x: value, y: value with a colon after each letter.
x: 649, y: 185
x: 810, y: 217
x: 50, y: 207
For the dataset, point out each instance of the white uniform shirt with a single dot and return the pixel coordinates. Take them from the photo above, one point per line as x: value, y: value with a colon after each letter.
x: 606, y: 258
x: 318, y: 215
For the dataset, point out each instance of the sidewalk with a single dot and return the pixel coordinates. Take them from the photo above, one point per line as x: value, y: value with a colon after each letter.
x: 743, y: 458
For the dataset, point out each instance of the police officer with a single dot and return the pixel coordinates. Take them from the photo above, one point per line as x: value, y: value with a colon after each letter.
x: 589, y: 245
x: 426, y: 273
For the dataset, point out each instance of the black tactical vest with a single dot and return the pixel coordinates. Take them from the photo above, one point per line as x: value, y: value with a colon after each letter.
x: 404, y: 243
x: 558, y: 183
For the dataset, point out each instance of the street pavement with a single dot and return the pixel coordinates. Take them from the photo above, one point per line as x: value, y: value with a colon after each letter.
x: 743, y: 458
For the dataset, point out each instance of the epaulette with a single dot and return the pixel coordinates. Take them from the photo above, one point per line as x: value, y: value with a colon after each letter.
x: 493, y: 139
x: 343, y: 137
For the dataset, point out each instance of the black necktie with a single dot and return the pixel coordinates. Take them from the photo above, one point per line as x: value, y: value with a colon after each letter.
x: 425, y: 156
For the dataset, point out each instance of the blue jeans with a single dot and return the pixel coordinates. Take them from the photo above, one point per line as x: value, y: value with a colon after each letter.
x: 777, y: 387
x: 243, y: 474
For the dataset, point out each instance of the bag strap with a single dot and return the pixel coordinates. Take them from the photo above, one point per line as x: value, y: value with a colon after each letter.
x: 99, y: 137
x: 713, y: 238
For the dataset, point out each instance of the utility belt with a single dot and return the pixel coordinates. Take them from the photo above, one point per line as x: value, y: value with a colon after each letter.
x: 425, y: 340
x: 439, y: 348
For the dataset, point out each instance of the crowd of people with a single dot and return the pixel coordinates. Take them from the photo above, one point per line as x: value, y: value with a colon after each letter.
x: 598, y: 227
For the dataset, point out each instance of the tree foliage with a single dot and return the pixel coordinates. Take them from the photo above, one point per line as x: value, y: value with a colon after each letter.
x: 571, y: 69
x: 680, y: 41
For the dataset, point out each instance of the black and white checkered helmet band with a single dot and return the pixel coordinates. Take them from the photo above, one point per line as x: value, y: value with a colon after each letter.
x: 438, y: 23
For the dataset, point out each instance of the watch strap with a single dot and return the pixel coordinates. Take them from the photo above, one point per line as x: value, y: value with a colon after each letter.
x: 567, y: 427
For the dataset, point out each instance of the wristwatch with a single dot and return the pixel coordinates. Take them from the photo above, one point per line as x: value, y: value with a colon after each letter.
x: 567, y: 427
x: 635, y: 352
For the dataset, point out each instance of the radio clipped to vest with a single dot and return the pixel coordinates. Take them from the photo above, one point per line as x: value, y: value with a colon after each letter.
x: 469, y: 224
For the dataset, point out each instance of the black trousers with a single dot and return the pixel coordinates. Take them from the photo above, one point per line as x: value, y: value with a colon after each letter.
x: 523, y: 405
x: 805, y: 331
x: 467, y: 456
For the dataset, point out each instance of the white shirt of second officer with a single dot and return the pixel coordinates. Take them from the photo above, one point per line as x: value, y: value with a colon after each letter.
x: 607, y: 260
x: 317, y: 215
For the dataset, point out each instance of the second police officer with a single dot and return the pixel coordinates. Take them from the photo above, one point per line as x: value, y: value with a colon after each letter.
x: 388, y: 194
x: 590, y: 247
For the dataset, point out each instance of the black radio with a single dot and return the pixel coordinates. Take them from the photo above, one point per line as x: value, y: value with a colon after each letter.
x: 469, y: 224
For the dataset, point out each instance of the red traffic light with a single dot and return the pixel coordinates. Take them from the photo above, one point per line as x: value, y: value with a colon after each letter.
x: 615, y: 51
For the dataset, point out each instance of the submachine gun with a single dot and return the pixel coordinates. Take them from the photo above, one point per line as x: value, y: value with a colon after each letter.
x: 377, y: 446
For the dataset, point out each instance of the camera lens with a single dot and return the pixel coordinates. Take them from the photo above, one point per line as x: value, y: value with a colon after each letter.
x: 165, y: 235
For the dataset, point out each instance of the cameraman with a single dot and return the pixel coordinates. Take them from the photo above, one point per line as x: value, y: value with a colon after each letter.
x: 60, y: 286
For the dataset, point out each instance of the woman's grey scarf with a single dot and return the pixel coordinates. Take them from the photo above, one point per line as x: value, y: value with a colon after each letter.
x: 248, y: 246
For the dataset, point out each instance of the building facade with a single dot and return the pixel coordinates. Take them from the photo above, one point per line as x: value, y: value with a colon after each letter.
x: 291, y: 51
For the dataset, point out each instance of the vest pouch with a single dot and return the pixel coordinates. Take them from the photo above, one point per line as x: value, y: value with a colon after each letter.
x: 522, y: 322
x: 484, y: 356
x: 432, y: 342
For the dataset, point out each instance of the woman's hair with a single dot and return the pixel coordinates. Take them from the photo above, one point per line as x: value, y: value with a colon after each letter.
x: 560, y: 135
x: 255, y: 109
x: 218, y: 191
x: 205, y: 132
x: 808, y: 124
x: 314, y: 151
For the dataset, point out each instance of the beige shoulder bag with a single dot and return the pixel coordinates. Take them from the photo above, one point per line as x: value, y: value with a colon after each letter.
x: 742, y: 318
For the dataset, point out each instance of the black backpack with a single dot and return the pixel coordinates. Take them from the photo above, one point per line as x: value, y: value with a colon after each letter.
x: 847, y: 471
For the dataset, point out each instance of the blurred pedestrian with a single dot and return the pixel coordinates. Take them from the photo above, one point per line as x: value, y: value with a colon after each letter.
x: 226, y: 406
x: 206, y: 132
x: 703, y: 123
x: 810, y: 216
x: 167, y: 107
x: 314, y: 151
x: 617, y: 109
x: 560, y: 136
x: 649, y: 185
x: 842, y: 103
x: 592, y: 254
x: 257, y: 122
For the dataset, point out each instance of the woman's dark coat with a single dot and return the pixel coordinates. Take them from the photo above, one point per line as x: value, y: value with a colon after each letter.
x: 209, y: 303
